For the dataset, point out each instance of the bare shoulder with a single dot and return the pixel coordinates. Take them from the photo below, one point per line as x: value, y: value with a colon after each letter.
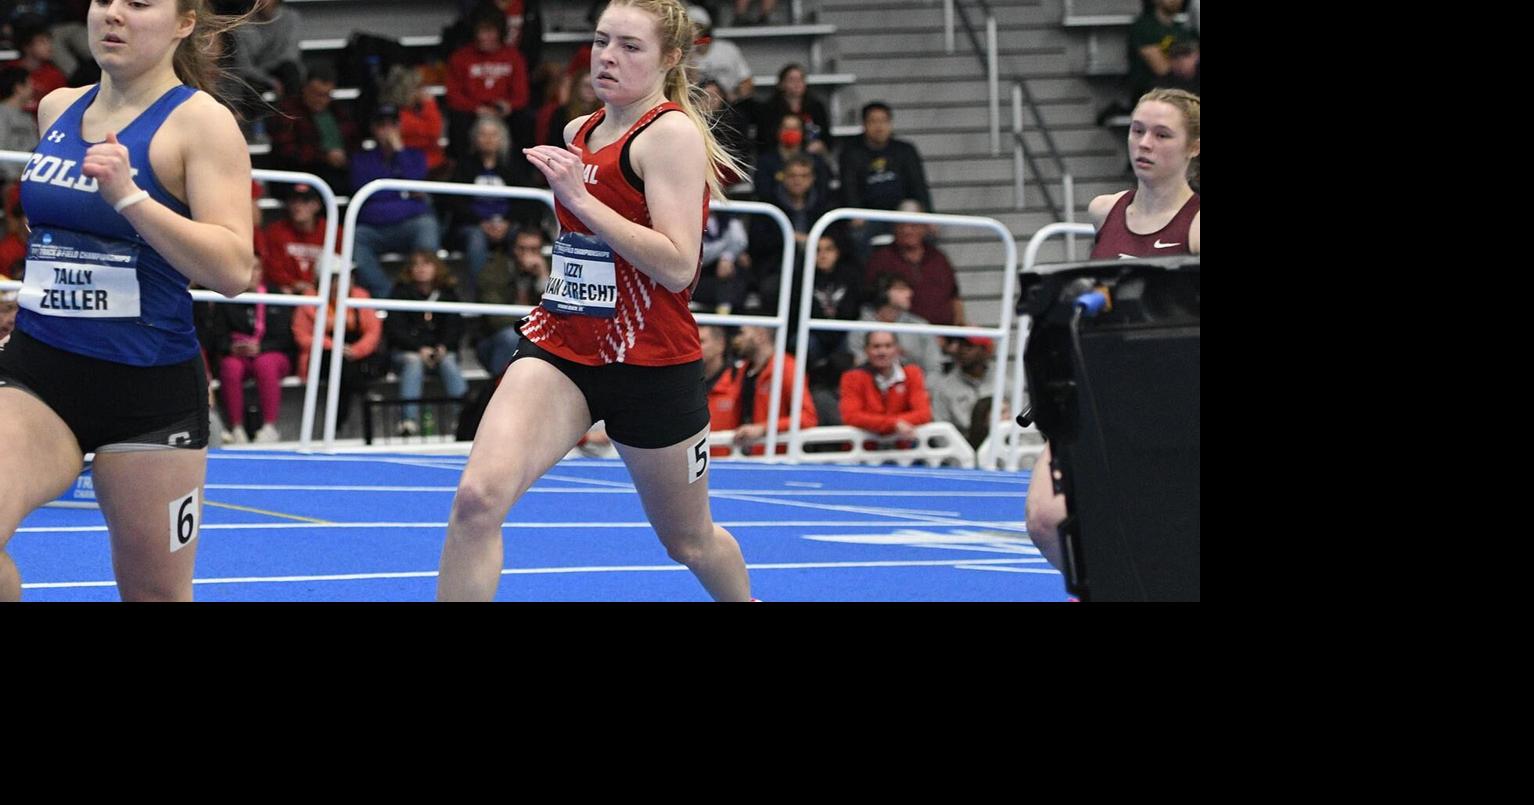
x: 202, y: 124
x: 670, y: 135
x: 55, y: 102
x: 574, y: 126
x: 1102, y: 205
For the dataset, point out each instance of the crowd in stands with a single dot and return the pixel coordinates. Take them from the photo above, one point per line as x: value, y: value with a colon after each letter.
x: 497, y: 94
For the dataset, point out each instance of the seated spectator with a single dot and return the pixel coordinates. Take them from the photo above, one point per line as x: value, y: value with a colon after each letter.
x: 35, y: 43
x: 1184, y: 74
x: 420, y: 120
x: 265, y: 56
x: 423, y: 340
x: 882, y: 396
x: 744, y: 15
x: 18, y: 130
x: 1150, y: 42
x: 878, y: 172
x: 925, y: 266
x: 798, y: 193
x: 312, y: 134
x: 722, y: 274
x: 741, y: 398
x: 837, y: 295
x: 252, y: 341
x: 295, y: 241
x: 792, y: 97
x: 892, y: 303
x: 718, y: 60
x: 359, y: 347
x: 487, y: 77
x: 772, y: 162
x: 954, y: 394
x: 13, y: 247
x: 390, y: 221
x: 481, y: 223
x: 573, y: 97
x: 515, y: 280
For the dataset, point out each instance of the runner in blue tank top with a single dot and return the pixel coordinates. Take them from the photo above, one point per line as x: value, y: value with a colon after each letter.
x: 138, y: 187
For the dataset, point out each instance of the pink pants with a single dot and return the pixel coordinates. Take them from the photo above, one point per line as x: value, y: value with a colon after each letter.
x: 268, y: 368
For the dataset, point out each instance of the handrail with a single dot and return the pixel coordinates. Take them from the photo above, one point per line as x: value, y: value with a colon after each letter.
x: 1001, y: 332
x: 344, y: 301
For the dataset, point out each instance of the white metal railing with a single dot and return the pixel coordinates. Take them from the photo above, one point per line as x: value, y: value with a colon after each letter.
x: 344, y: 302
x: 327, y: 250
x: 1002, y: 332
x: 935, y: 443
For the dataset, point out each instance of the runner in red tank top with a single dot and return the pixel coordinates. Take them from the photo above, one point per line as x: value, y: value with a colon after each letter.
x: 613, y: 339
x: 1160, y: 217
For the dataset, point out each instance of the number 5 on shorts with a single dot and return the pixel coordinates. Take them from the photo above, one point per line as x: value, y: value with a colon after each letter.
x: 697, y: 460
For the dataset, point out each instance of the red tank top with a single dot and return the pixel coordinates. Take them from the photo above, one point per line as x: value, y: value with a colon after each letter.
x: 1115, y: 240
x: 599, y: 308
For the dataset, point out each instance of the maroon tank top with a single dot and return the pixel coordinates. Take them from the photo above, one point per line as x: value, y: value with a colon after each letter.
x: 1115, y: 240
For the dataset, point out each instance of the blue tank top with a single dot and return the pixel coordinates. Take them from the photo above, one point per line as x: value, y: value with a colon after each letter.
x: 93, y: 285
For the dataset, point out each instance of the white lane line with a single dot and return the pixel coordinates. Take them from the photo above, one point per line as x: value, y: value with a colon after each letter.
x: 1040, y: 570
x: 1009, y: 525
x: 924, y: 519
x: 622, y: 489
x: 529, y: 571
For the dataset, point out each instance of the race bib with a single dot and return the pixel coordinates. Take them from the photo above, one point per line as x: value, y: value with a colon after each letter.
x: 80, y: 276
x: 583, y: 279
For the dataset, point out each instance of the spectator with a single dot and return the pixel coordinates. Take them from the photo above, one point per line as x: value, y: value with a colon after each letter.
x: 1184, y: 74
x: 741, y: 398
x: 35, y: 43
x: 18, y: 130
x: 878, y: 172
x: 481, y: 223
x: 573, y: 98
x: 515, y: 280
x: 881, y: 395
x: 791, y: 97
x: 772, y: 163
x: 837, y: 294
x: 420, y: 120
x: 487, y: 77
x: 892, y: 304
x: 1150, y: 42
x: 722, y: 273
x: 925, y: 266
x: 294, y: 242
x: 13, y: 247
x: 311, y: 134
x: 424, y: 340
x: 8, y: 308
x: 266, y: 54
x: 719, y: 60
x: 252, y: 341
x: 954, y: 394
x: 359, y: 348
x: 390, y: 221
x: 744, y: 16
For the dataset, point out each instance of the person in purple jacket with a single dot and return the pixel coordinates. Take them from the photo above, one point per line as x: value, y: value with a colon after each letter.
x: 390, y: 221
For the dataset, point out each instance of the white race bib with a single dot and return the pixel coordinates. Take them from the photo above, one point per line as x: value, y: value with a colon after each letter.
x: 583, y: 279
x: 80, y: 276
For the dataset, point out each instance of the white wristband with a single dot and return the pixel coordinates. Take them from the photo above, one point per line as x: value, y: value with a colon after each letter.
x: 130, y: 200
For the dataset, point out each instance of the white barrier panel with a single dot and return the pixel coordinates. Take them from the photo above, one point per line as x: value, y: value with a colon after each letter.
x: 1001, y: 332
x: 345, y: 302
x: 935, y: 444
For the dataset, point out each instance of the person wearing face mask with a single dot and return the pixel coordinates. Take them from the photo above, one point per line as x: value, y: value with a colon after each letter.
x: 791, y: 96
x: 770, y: 164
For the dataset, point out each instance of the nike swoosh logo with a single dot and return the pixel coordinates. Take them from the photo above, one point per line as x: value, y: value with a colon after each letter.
x: 1158, y: 244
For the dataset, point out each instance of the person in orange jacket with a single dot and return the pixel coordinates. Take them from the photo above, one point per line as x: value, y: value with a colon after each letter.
x: 881, y: 395
x: 750, y: 379
x: 364, y: 333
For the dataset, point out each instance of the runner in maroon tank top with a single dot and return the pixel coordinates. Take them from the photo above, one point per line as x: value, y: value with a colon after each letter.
x: 1156, y: 219
x: 613, y: 339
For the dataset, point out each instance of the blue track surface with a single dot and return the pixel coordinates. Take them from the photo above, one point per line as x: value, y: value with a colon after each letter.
x: 286, y: 527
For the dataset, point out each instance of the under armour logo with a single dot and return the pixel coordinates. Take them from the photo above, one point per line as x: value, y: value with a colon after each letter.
x: 55, y: 136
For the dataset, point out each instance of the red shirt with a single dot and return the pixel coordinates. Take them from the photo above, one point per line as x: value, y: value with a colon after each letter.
x: 13, y: 256
x: 725, y: 403
x: 45, y: 79
x: 475, y: 78
x: 420, y: 126
x: 933, y: 284
x: 1115, y: 240
x: 291, y: 255
x: 864, y: 406
x: 651, y: 326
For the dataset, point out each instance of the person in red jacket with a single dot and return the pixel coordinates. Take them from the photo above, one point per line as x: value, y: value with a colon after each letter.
x: 881, y: 395
x: 487, y: 77
x: 294, y: 242
x: 741, y: 398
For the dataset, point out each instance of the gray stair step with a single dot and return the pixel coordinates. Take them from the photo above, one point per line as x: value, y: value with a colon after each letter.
x: 898, y: 39
x: 876, y: 16
x: 978, y: 142
x: 963, y: 65
x: 899, y: 92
